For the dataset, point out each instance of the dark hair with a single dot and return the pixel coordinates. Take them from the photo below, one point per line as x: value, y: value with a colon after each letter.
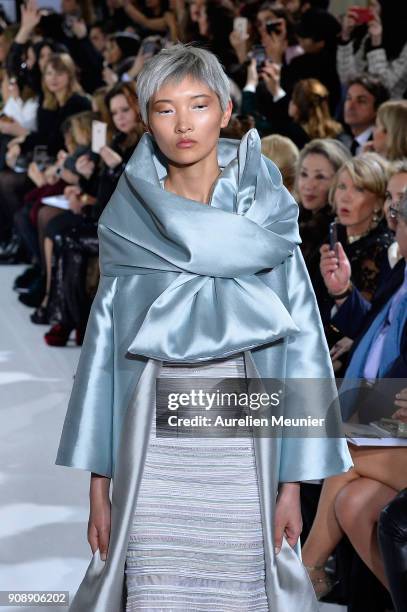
x: 319, y: 4
x: 282, y: 13
x: 126, y: 89
x: 373, y: 85
x: 101, y: 25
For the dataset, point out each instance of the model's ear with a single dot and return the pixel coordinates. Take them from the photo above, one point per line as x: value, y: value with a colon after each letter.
x: 226, y: 115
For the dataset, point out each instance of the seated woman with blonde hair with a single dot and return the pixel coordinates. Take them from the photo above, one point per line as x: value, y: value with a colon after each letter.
x: 284, y: 153
x: 390, y: 131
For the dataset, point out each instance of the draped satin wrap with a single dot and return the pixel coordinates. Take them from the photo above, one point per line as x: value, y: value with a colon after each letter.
x: 184, y: 281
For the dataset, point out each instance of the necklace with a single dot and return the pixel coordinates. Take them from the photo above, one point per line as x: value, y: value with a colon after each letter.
x: 356, y: 237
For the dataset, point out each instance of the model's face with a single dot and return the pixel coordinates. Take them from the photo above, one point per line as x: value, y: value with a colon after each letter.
x: 314, y: 180
x: 185, y: 119
x: 396, y: 187
x: 354, y: 205
x: 123, y: 115
x: 359, y: 109
x: 380, y: 141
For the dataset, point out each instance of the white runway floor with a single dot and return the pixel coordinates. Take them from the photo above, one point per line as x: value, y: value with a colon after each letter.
x: 43, y: 507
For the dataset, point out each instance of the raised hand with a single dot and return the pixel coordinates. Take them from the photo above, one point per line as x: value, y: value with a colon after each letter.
x: 375, y: 28
x: 335, y: 269
x: 110, y: 157
x: 30, y: 15
x: 270, y: 74
x: 349, y: 23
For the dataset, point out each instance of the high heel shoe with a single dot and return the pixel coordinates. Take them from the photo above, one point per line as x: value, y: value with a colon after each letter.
x: 322, y: 586
x: 58, y: 335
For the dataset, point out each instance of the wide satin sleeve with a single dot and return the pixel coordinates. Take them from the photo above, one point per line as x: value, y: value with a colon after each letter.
x: 87, y: 435
x: 308, y: 357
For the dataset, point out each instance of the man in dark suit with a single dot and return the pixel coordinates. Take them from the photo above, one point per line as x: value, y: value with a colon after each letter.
x: 364, y: 96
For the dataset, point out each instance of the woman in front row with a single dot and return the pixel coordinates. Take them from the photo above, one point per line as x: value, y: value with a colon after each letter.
x: 201, y: 275
x: 351, y: 503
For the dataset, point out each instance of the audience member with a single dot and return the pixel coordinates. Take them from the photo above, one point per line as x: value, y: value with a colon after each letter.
x: 284, y: 153
x: 318, y: 164
x: 363, y: 97
x: 390, y: 132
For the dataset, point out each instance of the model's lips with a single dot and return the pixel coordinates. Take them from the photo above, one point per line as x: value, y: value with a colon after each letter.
x: 185, y: 143
x: 344, y: 211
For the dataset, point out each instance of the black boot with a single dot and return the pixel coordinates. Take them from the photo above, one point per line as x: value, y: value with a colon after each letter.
x: 35, y: 294
x: 13, y: 251
x: 22, y: 283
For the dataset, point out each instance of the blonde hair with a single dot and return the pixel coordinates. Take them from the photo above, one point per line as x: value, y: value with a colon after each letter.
x: 397, y: 167
x: 368, y: 171
x: 311, y: 99
x: 393, y: 117
x: 102, y: 110
x: 284, y: 153
x: 81, y: 127
x: 60, y: 62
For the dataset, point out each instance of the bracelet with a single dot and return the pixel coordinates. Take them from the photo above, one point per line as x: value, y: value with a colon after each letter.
x: 340, y: 296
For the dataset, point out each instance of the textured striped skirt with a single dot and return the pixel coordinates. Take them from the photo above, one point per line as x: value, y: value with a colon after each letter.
x: 196, y: 541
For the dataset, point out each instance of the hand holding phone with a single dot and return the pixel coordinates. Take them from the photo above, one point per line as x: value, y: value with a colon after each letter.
x: 99, y: 134
x: 259, y: 54
x: 333, y: 236
x: 362, y: 15
x: 240, y: 25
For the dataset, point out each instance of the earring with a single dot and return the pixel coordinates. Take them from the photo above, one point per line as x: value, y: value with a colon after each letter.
x: 376, y: 218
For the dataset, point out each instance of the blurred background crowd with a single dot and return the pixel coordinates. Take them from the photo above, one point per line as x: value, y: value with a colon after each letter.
x: 326, y: 88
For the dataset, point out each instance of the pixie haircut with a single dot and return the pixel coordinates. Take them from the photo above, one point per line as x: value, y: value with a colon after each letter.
x: 177, y: 63
x: 368, y: 171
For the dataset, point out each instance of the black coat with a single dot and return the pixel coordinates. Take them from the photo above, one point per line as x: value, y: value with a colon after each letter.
x: 49, y: 125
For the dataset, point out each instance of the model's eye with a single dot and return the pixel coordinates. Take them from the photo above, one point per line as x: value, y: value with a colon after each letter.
x: 200, y: 106
x: 303, y: 174
x: 166, y: 111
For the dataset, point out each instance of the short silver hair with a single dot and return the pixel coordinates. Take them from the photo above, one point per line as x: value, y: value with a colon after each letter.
x: 176, y: 63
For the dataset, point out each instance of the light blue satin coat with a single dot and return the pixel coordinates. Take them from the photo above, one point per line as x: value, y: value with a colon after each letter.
x: 183, y: 281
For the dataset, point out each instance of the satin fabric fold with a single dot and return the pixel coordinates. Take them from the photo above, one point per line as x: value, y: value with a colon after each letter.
x: 184, y: 281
